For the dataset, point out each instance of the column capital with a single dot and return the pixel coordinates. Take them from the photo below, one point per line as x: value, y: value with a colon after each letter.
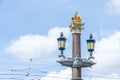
x: 76, y: 27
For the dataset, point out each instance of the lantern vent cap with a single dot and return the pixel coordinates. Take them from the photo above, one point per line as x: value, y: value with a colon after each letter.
x: 91, y: 35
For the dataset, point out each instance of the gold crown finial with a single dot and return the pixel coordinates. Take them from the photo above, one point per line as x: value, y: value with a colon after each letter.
x: 76, y: 18
x: 76, y: 12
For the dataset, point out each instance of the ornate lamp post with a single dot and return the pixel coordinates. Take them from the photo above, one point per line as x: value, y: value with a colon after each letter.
x: 76, y: 62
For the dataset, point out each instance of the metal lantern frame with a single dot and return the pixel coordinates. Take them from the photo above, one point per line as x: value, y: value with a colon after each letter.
x: 91, y: 43
x: 61, y: 42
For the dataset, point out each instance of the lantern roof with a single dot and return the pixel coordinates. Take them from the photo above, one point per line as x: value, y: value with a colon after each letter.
x: 61, y: 37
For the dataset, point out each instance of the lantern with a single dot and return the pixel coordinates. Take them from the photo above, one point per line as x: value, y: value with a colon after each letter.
x: 91, y: 43
x: 61, y: 42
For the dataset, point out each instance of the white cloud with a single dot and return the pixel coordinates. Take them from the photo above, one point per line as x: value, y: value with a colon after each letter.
x: 67, y: 75
x: 107, y: 53
x: 62, y: 75
x: 113, y: 6
x: 105, y: 77
x: 33, y: 46
x: 31, y: 78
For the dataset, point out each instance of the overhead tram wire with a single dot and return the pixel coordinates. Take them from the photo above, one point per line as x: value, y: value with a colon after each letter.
x: 25, y: 69
x: 30, y: 68
x: 89, y: 76
x: 61, y: 75
x: 52, y: 73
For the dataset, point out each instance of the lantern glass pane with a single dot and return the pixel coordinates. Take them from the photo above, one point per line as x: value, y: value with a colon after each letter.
x: 58, y: 43
x: 91, y: 45
x: 62, y: 43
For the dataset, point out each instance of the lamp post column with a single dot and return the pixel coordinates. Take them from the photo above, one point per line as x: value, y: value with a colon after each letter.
x: 75, y: 27
x: 76, y: 51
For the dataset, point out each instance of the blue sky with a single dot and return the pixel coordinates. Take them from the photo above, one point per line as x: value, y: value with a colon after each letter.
x: 29, y: 28
x: 28, y: 16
